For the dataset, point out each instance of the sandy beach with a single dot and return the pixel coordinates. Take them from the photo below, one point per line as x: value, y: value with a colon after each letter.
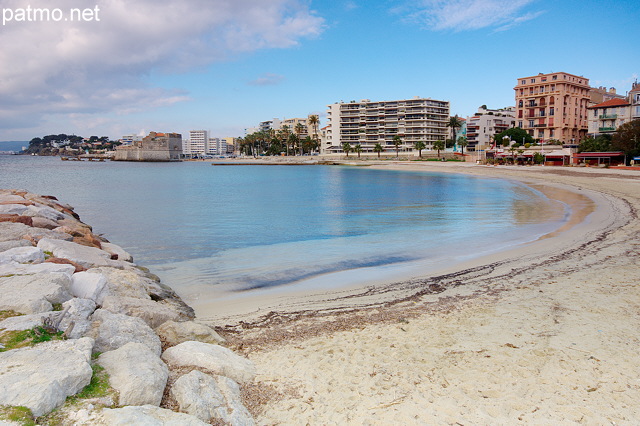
x: 543, y: 334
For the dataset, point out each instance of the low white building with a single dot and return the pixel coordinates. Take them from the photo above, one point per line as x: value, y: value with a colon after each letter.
x: 486, y: 123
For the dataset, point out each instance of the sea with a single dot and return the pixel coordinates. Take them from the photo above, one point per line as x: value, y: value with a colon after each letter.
x: 235, y: 229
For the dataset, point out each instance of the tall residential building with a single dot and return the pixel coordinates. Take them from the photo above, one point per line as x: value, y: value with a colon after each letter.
x: 197, y: 143
x: 369, y: 123
x: 553, y: 106
x: 486, y: 123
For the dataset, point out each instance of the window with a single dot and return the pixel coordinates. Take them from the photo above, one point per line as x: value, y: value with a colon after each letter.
x: 533, y: 80
x: 551, y: 111
x: 520, y: 124
x: 530, y: 123
x: 520, y: 103
x: 523, y: 82
x: 555, y: 77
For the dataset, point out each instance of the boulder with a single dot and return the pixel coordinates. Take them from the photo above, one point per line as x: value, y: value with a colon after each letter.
x: 30, y: 294
x: 43, y: 376
x: 211, y: 397
x: 145, y: 415
x: 137, y: 373
x: 87, y: 285
x: 23, y: 322
x: 12, y: 209
x: 11, y: 199
x: 41, y: 222
x: 26, y: 220
x: 214, y: 358
x: 6, y: 245
x: 152, y: 313
x: 123, y: 283
x: 112, y: 331
x: 43, y: 211
x: 15, y: 268
x: 16, y: 231
x: 86, y: 257
x: 22, y: 255
x: 116, y: 250
x: 61, y: 261
x: 174, y: 333
x: 78, y: 312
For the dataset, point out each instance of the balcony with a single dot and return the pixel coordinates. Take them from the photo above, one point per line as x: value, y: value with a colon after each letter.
x: 606, y: 129
x: 608, y: 116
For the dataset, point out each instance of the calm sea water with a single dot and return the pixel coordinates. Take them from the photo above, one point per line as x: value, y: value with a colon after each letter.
x: 237, y: 228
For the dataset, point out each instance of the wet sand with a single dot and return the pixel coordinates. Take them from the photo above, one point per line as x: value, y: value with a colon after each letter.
x: 547, y: 333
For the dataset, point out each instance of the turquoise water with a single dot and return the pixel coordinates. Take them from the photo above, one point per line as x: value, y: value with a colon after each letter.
x: 240, y: 228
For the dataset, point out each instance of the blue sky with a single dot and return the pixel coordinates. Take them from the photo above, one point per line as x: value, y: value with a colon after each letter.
x: 226, y: 65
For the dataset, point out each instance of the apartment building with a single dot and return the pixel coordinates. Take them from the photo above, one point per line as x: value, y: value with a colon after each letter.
x: 634, y: 100
x: 278, y: 124
x: 196, y: 144
x: 486, y: 123
x: 606, y: 117
x: 369, y: 123
x: 553, y: 106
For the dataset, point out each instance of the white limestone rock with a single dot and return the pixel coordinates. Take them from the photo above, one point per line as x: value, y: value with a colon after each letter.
x: 45, y: 212
x: 41, y: 222
x: 6, y: 245
x: 15, y: 268
x: 117, y: 250
x: 174, y: 333
x: 211, y: 397
x: 22, y: 255
x: 112, y: 331
x: 214, y: 358
x: 122, y: 283
x: 85, y: 256
x: 12, y: 209
x: 87, y: 285
x: 11, y: 198
x: 78, y: 312
x: 23, y: 322
x: 146, y: 415
x: 137, y: 373
x: 10, y: 231
x: 43, y: 376
x: 30, y: 294
x: 152, y: 313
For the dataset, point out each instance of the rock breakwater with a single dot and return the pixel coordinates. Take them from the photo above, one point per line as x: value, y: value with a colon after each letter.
x: 89, y: 337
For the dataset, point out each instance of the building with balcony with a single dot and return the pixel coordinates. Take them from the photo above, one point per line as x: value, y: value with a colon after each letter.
x: 634, y: 100
x: 369, y: 123
x: 278, y: 124
x: 606, y: 117
x: 485, y: 124
x: 196, y: 145
x: 553, y: 106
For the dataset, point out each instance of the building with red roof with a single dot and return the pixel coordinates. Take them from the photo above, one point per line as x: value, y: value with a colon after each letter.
x: 607, y: 116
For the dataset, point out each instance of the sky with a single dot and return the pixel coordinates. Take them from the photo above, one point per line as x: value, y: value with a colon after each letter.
x: 117, y: 67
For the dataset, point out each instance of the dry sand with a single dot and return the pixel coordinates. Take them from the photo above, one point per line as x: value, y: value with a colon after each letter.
x: 546, y: 334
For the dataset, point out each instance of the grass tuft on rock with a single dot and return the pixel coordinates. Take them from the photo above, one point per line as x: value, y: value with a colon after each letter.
x: 21, y: 415
x: 8, y: 314
x: 15, y: 339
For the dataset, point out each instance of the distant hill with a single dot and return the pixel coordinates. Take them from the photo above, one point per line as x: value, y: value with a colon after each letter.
x: 13, y: 145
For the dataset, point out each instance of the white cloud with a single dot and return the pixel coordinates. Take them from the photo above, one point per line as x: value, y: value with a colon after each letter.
x: 102, y: 66
x: 462, y: 15
x: 267, y: 79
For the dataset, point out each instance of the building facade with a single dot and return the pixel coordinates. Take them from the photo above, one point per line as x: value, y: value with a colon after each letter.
x: 606, y: 117
x: 154, y: 147
x: 485, y: 124
x: 278, y: 124
x: 369, y: 123
x: 553, y: 106
x: 197, y: 143
x: 634, y: 100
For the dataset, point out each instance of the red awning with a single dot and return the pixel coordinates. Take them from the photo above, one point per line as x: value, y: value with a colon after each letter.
x: 599, y: 154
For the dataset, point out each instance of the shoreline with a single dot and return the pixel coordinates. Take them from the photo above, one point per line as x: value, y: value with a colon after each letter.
x: 527, y: 338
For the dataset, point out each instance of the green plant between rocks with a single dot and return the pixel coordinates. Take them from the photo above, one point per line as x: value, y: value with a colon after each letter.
x: 15, y: 339
x: 21, y: 415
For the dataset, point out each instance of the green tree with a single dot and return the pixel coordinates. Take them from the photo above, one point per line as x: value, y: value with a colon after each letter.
x: 455, y: 123
x: 513, y: 150
x: 538, y: 158
x: 397, y: 142
x: 358, y: 149
x: 346, y: 147
x: 516, y: 134
x: 627, y: 139
x: 463, y: 142
x: 314, y: 121
x: 378, y: 148
x: 419, y: 145
x: 601, y: 143
x: 438, y: 145
x: 299, y: 128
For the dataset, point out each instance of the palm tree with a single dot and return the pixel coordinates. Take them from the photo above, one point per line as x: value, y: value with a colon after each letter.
x: 513, y: 150
x: 298, y: 129
x: 397, y: 141
x: 455, y: 123
x: 346, y: 147
x: 438, y: 145
x: 419, y: 145
x: 314, y: 121
x: 462, y: 141
x: 378, y: 148
x: 358, y: 149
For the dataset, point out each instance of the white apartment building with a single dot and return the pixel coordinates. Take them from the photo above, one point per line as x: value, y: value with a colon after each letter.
x: 197, y: 143
x: 369, y: 123
x: 486, y: 123
x: 278, y: 124
x: 217, y: 146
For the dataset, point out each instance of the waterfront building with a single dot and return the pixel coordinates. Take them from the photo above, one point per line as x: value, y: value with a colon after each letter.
x: 153, y: 147
x: 197, y: 143
x: 606, y: 117
x: 217, y: 146
x: 634, y: 100
x: 553, y: 106
x: 485, y: 124
x: 278, y: 124
x: 369, y: 123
